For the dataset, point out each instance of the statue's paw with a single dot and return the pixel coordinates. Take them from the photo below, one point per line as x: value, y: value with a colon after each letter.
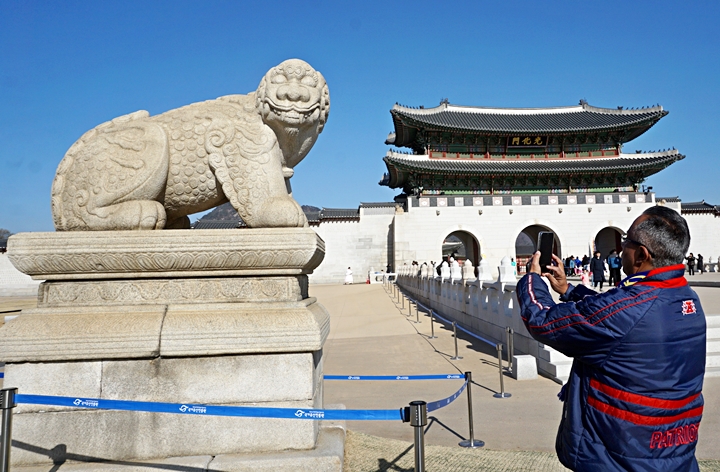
x: 125, y: 216
x: 152, y: 215
x: 279, y: 212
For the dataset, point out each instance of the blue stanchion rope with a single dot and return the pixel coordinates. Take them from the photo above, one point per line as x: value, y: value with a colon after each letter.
x: 432, y: 406
x: 2, y: 375
x: 395, y: 377
x: 470, y: 333
x: 480, y: 338
x: 211, y: 410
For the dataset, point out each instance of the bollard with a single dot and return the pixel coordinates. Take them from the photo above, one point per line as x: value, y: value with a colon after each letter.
x: 511, y: 347
x: 418, y: 420
x: 403, y: 301
x: 7, y: 403
x: 456, y: 348
x: 502, y: 393
x: 410, y: 308
x: 417, y: 313
x: 432, y: 326
x: 471, y: 442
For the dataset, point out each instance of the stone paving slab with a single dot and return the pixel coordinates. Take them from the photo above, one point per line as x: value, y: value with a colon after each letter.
x: 365, y: 453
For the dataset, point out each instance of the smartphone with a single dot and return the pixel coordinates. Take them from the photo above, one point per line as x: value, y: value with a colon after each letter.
x: 546, y: 240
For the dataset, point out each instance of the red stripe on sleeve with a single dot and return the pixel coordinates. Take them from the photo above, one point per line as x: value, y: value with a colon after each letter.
x: 642, y: 419
x: 641, y: 399
x: 598, y: 321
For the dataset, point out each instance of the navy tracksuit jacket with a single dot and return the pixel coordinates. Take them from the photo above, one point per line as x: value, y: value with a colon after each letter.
x: 633, y: 400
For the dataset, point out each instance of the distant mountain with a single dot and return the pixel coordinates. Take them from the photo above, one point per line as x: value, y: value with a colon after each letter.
x: 226, y: 212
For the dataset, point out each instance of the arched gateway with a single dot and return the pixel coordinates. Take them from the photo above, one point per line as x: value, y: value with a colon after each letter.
x: 526, y: 245
x: 608, y: 239
x: 461, y: 245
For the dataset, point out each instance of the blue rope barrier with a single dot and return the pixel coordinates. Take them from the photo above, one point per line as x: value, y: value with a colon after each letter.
x: 211, y: 410
x: 395, y: 377
x: 2, y: 375
x: 476, y: 336
x: 432, y: 406
x: 479, y: 338
x: 465, y: 330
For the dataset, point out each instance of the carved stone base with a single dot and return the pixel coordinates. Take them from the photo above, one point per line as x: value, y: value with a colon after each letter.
x: 149, y: 331
x: 167, y: 316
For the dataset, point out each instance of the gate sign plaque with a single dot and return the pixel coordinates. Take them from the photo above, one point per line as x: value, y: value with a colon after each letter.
x: 527, y: 141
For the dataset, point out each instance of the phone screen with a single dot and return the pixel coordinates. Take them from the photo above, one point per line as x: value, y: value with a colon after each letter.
x: 545, y: 246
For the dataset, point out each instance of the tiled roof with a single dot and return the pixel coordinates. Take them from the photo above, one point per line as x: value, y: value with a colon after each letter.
x: 529, y: 120
x: 669, y: 199
x: 699, y: 207
x: 651, y: 162
x: 313, y: 216
x: 339, y: 213
x: 378, y: 205
x: 217, y: 224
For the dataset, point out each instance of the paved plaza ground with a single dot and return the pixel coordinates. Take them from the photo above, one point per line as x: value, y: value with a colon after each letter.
x: 371, y: 335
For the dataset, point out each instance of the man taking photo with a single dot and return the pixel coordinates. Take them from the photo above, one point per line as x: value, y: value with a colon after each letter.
x: 633, y: 401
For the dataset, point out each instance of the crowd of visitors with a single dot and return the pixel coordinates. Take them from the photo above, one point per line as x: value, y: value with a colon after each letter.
x: 598, y: 270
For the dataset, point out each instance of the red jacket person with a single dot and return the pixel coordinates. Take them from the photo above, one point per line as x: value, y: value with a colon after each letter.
x: 633, y: 401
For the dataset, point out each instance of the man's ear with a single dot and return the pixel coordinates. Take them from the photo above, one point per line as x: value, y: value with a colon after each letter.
x: 641, y: 256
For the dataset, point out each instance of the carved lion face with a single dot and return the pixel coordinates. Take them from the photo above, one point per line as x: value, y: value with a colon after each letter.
x: 294, y: 95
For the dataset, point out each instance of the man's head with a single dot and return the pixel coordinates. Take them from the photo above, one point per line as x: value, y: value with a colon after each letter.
x: 597, y: 254
x: 657, y: 238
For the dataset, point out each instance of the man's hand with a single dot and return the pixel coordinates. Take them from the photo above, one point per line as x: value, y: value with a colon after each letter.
x: 535, y: 263
x: 554, y: 273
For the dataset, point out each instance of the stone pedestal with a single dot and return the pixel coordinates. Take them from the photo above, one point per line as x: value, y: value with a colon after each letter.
x: 216, y: 317
x: 524, y: 367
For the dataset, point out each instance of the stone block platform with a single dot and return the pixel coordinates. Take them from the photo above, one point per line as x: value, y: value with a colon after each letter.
x: 204, y: 317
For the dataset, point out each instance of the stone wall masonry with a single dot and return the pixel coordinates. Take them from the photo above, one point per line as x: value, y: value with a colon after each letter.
x: 361, y: 245
x: 385, y: 236
x: 496, y: 227
x: 486, y: 309
x: 704, y: 230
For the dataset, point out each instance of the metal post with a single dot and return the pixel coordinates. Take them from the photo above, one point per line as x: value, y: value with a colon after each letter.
x: 432, y: 326
x: 7, y: 403
x: 403, y: 301
x: 511, y: 347
x: 456, y: 348
x: 417, y: 313
x: 410, y: 308
x: 418, y: 420
x: 471, y: 442
x: 502, y: 393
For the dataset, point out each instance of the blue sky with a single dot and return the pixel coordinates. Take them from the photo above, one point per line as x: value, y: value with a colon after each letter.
x: 68, y: 66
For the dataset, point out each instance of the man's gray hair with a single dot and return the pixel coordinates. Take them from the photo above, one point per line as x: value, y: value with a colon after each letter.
x: 665, y: 234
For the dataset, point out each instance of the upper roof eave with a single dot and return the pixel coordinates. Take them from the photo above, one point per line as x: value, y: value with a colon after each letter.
x: 513, y: 121
x: 525, y: 111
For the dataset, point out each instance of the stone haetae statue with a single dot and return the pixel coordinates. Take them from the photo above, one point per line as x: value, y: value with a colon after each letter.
x: 142, y: 172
